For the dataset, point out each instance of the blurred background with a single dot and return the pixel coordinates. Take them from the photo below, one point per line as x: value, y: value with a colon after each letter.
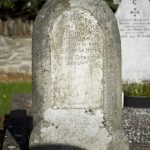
x: 17, y: 16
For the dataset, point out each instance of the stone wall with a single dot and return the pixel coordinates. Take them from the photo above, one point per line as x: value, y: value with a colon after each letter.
x: 15, y: 55
x: 16, y: 27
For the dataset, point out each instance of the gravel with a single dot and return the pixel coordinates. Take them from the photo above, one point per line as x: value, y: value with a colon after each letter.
x: 136, y: 123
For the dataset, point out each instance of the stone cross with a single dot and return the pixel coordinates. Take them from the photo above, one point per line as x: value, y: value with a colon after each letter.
x: 135, y: 12
x: 77, y: 76
x: 134, y: 24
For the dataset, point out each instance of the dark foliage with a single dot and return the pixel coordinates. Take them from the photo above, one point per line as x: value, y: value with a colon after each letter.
x: 26, y: 9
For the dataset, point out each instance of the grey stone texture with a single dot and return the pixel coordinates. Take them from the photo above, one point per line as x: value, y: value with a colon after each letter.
x: 15, y: 55
x: 77, y: 76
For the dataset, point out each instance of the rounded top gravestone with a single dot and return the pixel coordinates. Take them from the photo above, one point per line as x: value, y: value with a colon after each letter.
x: 76, y: 73
x: 76, y: 57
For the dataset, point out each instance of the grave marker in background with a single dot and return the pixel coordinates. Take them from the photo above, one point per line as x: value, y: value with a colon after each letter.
x: 77, y: 76
x: 134, y: 24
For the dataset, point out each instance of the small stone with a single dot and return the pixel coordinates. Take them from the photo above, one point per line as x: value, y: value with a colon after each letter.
x: 12, y: 147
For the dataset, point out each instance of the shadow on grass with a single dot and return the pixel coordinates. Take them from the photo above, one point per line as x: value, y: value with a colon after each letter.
x: 20, y: 126
x: 56, y: 147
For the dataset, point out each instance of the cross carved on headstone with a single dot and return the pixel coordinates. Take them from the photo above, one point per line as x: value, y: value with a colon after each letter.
x: 135, y: 12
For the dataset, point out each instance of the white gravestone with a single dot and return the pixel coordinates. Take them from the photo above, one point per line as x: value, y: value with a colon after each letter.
x: 133, y: 17
x: 77, y: 77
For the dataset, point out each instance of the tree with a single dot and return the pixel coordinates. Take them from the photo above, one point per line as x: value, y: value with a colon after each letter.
x: 35, y: 5
x: 6, y: 7
x: 20, y: 8
x: 6, y: 4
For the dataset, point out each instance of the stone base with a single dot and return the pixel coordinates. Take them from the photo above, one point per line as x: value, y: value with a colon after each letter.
x: 76, y: 129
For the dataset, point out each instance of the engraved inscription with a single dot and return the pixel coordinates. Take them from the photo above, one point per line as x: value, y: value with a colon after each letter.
x: 77, y: 43
x: 134, y: 28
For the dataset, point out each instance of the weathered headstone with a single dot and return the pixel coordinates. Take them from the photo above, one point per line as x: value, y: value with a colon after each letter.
x: 134, y: 24
x: 77, y: 76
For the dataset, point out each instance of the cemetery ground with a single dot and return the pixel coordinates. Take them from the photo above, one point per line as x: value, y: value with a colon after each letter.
x: 11, y: 87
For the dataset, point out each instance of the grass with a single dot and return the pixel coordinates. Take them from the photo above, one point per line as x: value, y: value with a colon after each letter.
x: 8, y: 89
x: 136, y: 89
